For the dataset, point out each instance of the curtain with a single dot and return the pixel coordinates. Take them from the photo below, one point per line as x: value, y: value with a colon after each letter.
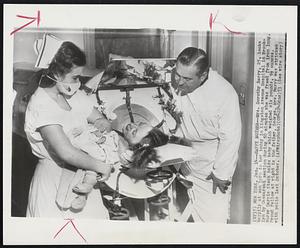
x: 89, y: 47
x: 179, y: 40
x: 136, y: 43
x: 220, y: 53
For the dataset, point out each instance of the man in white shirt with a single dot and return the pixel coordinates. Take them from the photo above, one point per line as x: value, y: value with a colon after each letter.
x: 211, y: 120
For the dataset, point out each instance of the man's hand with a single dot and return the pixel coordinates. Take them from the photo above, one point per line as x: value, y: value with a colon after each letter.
x: 218, y: 183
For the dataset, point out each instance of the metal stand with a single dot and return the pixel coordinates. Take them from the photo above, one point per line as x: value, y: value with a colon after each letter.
x: 189, y: 210
x: 168, y: 201
x: 115, y: 208
x: 127, y: 99
x: 147, y: 210
x: 172, y: 203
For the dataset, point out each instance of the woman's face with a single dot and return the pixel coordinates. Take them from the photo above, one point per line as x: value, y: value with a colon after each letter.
x: 134, y: 133
x: 70, y: 79
x: 72, y: 76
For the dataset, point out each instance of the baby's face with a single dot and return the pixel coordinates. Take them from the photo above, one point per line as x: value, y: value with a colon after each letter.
x: 134, y: 133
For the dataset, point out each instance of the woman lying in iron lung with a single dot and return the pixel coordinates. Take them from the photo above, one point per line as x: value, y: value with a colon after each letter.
x: 135, y: 151
x: 143, y: 139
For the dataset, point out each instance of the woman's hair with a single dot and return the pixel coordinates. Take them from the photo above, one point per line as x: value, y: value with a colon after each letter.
x: 67, y: 56
x: 144, y: 152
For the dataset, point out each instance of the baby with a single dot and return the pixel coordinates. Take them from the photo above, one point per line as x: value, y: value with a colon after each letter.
x: 101, y: 142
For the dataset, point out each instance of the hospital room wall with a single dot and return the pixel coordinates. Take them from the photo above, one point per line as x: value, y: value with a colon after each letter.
x: 23, y: 43
x: 182, y: 39
x: 83, y: 38
x: 243, y: 80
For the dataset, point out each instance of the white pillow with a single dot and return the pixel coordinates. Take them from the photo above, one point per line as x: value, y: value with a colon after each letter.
x: 175, y: 153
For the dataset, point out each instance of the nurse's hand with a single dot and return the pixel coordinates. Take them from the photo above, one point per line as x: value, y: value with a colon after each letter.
x: 218, y: 183
x: 103, y: 125
x: 104, y: 172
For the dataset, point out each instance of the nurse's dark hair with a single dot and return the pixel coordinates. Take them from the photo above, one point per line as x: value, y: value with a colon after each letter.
x: 67, y: 56
x: 194, y: 56
x: 144, y: 152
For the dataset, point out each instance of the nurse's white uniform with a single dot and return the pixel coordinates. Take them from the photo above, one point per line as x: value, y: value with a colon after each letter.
x: 211, y: 119
x: 43, y: 110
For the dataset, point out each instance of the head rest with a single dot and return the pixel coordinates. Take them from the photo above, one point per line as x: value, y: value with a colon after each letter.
x: 140, y: 114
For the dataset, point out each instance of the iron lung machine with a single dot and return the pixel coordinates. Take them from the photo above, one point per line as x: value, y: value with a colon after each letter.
x: 138, y: 90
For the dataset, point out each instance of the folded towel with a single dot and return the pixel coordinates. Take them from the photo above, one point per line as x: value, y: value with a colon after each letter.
x: 68, y: 179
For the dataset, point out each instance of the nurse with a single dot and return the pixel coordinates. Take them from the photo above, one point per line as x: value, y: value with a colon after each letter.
x: 211, y: 120
x: 56, y: 107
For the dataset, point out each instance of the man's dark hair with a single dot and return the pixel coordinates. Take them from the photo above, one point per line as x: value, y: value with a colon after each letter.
x: 194, y: 56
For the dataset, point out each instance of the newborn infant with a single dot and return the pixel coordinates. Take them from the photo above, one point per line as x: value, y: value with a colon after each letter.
x: 101, y: 142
